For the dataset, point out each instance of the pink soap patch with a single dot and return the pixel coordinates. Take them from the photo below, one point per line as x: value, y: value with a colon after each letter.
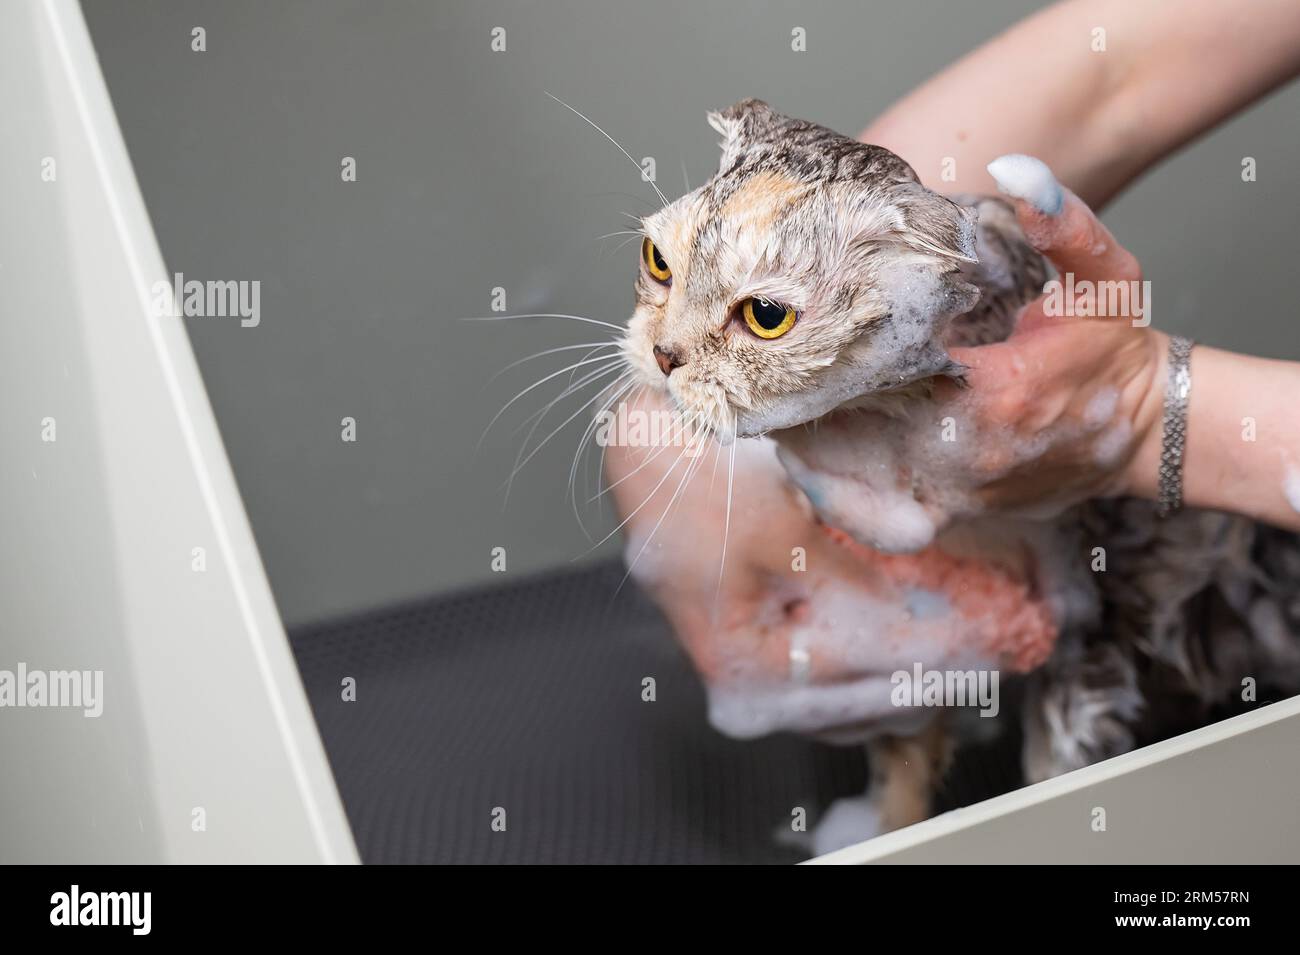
x: 999, y: 613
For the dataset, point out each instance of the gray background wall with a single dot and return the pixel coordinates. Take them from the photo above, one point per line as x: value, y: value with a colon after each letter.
x: 470, y: 178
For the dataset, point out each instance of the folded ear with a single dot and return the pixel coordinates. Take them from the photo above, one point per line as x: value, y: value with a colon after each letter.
x: 937, y: 225
x: 742, y: 125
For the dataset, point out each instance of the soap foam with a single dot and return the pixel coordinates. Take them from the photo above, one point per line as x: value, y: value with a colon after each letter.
x: 905, y: 349
x: 1100, y: 408
x: 893, y: 479
x: 1030, y: 179
x: 884, y: 614
x: 883, y: 514
x: 847, y: 822
x: 1291, y: 488
x: 889, y: 480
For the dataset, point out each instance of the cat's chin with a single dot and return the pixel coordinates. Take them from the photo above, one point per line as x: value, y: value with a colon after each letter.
x: 790, y: 412
x: 891, y: 402
x: 844, y: 388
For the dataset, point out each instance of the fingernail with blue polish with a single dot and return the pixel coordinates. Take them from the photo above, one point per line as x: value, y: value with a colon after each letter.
x: 1027, y: 178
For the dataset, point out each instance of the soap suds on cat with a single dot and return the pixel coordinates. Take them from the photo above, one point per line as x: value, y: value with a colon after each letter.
x: 892, y: 480
x: 896, y: 522
x: 1291, y: 487
x: 847, y: 821
x: 906, y: 348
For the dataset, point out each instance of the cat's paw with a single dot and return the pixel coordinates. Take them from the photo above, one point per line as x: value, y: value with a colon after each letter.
x: 876, y: 513
x: 847, y: 822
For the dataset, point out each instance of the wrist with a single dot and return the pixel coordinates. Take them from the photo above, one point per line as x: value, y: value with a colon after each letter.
x: 1240, y: 450
x: 1141, y: 475
x: 1239, y: 438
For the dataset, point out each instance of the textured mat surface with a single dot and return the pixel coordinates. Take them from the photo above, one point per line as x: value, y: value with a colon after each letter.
x: 528, y: 698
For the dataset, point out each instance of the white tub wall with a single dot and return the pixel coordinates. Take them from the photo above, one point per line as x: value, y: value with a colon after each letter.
x: 202, y: 705
x: 1225, y: 793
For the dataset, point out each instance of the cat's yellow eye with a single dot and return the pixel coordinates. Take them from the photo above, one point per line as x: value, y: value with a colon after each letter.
x: 767, y: 319
x: 654, y: 263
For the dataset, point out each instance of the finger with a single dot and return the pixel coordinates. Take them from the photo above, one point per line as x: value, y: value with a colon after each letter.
x: 994, y: 362
x: 1059, y: 224
x: 1033, y: 317
x: 1053, y: 350
x: 1009, y: 357
x: 998, y: 360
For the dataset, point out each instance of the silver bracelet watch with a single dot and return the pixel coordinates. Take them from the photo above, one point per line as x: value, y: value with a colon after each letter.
x: 1173, y: 441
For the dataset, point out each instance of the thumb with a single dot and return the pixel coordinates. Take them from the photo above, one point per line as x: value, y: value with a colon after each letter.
x: 1059, y: 224
x: 1026, y: 353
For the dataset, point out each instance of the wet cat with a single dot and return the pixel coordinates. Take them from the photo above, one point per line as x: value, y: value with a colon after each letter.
x: 807, y: 295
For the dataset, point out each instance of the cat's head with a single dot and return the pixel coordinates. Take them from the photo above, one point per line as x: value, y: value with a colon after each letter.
x: 811, y: 270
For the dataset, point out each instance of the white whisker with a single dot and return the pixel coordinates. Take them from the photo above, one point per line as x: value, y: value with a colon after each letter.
x: 519, y: 465
x: 539, y: 416
x: 612, y: 343
x: 717, y: 454
x: 692, y: 466
x: 577, y: 318
x: 569, y: 389
x: 616, y: 392
x: 537, y: 384
x: 620, y: 345
x: 601, y: 471
x: 592, y: 124
x: 647, y: 500
x: 726, y: 529
x: 649, y: 457
x: 618, y: 248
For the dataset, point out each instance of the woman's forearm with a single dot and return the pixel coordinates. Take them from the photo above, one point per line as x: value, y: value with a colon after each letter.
x: 1242, y: 452
x: 1169, y: 70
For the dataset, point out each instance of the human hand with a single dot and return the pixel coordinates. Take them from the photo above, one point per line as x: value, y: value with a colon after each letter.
x: 1065, y: 404
x: 803, y: 629
x: 1056, y: 414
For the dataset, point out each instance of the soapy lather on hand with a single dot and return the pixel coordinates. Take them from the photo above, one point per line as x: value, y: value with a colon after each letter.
x: 1010, y: 439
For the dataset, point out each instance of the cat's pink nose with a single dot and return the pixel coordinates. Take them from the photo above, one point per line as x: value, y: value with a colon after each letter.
x: 667, y: 359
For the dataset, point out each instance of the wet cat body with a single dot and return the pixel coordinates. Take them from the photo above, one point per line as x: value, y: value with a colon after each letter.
x: 814, y: 280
